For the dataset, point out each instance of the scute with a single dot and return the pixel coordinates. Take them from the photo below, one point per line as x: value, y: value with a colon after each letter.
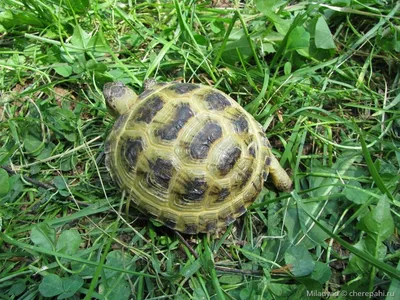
x: 170, y: 130
x: 204, y: 139
x: 162, y: 170
x: 217, y: 101
x: 182, y: 88
x: 194, y: 190
x: 240, y: 124
x: 228, y: 160
x: 189, y: 156
x: 130, y: 151
x: 149, y: 109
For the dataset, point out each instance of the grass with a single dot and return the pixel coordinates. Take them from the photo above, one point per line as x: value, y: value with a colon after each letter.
x: 323, y: 80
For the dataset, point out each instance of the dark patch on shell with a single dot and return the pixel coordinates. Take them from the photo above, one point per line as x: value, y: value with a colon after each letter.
x: 265, y: 140
x: 240, y: 210
x: 220, y: 194
x: 268, y: 161
x: 265, y: 175
x: 252, y: 151
x: 195, y: 190
x: 217, y: 101
x: 204, y: 139
x: 121, y: 120
x: 211, y: 226
x: 141, y: 175
x: 170, y: 131
x: 131, y: 150
x: 245, y: 178
x: 240, y: 124
x: 107, y: 146
x: 182, y: 88
x: 190, y: 229
x: 145, y: 93
x: 228, y: 160
x: 163, y: 170
x: 228, y: 219
x: 149, y: 109
x: 153, y: 214
x: 169, y: 222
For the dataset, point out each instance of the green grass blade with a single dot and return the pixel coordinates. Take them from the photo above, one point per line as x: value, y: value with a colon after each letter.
x: 35, y: 249
x: 392, y: 272
x: 372, y: 169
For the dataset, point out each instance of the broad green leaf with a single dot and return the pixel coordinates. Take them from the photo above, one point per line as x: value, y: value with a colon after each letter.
x: 96, y: 66
x: 16, y: 187
x: 46, y: 152
x: 42, y: 235
x: 298, y: 224
x: 9, y: 19
x: 117, y: 259
x: 379, y: 221
x: 321, y: 273
x: 232, y: 48
x: 364, y: 255
x: 69, y: 242
x: 230, y: 279
x: 200, y: 39
x: 33, y: 145
x: 217, y: 27
x: 17, y: 289
x: 70, y: 285
x: 343, y: 3
x: 4, y: 183
x: 266, y: 6
x: 181, y: 297
x: 299, y: 38
x: 7, y: 150
x: 250, y: 252
x: 119, y: 291
x: 64, y: 70
x: 287, y: 68
x: 300, y: 260
x: 356, y: 194
x: 79, y: 6
x: 51, y: 286
x: 357, y: 264
x: 341, y: 167
x: 394, y: 288
x: 245, y: 293
x: 323, y: 36
x: 60, y: 184
x: 68, y: 163
x: 74, y: 258
x: 198, y: 293
x: 268, y: 48
x: 279, y: 290
x: 6, y: 17
x: 96, y: 45
x: 80, y: 38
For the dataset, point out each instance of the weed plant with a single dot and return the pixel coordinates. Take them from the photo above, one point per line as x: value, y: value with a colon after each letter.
x: 321, y: 77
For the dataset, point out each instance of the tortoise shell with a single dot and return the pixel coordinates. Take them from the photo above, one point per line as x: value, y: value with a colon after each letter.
x: 189, y: 156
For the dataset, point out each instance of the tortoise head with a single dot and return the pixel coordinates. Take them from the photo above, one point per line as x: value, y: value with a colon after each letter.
x: 119, y: 97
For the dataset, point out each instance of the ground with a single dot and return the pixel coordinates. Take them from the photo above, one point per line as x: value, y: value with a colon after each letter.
x: 322, y: 78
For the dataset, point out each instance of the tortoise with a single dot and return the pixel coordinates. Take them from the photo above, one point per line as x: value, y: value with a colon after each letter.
x: 187, y: 154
